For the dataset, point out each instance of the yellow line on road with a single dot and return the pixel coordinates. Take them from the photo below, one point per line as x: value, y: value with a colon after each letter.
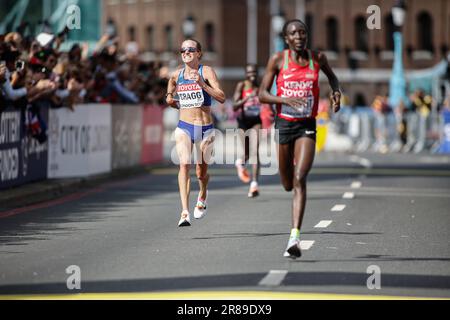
x: 210, y: 295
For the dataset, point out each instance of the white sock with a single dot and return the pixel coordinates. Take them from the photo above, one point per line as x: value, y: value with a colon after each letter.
x: 253, y: 184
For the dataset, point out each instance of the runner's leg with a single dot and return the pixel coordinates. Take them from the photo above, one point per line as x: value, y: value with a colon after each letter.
x: 184, y: 149
x: 285, y: 165
x: 254, y: 152
x: 304, y: 156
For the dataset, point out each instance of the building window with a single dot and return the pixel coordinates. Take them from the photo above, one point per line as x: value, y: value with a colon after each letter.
x: 360, y: 100
x: 209, y: 37
x: 131, y: 34
x: 168, y: 30
x: 332, y: 34
x: 309, y: 20
x: 361, y: 34
x: 150, y: 38
x: 425, y: 31
x: 389, y: 29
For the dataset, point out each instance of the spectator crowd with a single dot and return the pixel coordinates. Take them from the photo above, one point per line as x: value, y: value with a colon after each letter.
x: 32, y: 71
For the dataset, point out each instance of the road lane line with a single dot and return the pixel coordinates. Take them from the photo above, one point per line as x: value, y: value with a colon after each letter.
x: 306, y: 244
x: 273, y: 278
x: 338, y: 207
x: 366, y: 163
x: 323, y: 224
x: 348, y: 195
x: 356, y: 184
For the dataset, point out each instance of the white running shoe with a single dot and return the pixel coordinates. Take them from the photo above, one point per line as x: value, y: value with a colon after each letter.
x: 293, y: 248
x: 201, y: 207
x: 185, y: 220
x: 253, y: 191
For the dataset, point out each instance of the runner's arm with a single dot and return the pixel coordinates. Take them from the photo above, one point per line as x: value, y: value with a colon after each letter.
x: 332, y: 79
x: 171, y: 87
x: 237, y: 101
x: 212, y: 87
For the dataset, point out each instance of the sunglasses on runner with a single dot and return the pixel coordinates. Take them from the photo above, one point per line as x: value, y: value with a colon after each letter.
x: 188, y: 49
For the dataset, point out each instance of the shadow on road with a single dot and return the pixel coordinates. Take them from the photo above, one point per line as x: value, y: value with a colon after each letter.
x: 320, y: 280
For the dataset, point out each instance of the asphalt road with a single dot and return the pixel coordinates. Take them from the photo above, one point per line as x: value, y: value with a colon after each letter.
x: 124, y: 238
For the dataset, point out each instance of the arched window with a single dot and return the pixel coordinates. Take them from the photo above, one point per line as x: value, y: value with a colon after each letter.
x: 425, y: 31
x: 361, y: 35
x: 209, y: 37
x: 168, y: 30
x: 389, y: 29
x: 309, y: 20
x: 332, y: 34
x: 150, y: 32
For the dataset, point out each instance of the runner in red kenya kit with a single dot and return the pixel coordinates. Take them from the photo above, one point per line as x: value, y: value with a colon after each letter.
x: 297, y: 71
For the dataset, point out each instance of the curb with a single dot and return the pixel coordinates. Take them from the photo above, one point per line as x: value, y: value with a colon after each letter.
x: 35, y: 192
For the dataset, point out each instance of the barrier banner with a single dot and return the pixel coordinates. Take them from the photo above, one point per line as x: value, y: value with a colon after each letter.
x: 22, y: 158
x: 152, y: 134
x: 126, y: 135
x: 79, y: 141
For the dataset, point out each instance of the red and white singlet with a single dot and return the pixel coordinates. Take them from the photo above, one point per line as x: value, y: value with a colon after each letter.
x: 298, y: 81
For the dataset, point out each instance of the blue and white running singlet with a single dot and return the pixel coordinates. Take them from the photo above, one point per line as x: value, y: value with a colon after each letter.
x: 190, y: 93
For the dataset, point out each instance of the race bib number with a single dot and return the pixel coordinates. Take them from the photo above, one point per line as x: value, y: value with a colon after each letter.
x: 300, y: 112
x: 252, y: 107
x: 190, y: 96
x: 252, y: 111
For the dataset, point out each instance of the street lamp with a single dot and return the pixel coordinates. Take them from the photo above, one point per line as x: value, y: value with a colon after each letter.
x: 188, y: 27
x: 397, y: 83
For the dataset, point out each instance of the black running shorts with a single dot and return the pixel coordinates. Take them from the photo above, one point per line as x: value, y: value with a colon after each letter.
x: 289, y: 131
x: 246, y: 123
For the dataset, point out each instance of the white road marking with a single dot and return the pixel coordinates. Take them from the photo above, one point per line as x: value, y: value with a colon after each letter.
x: 356, y: 184
x: 338, y: 207
x: 273, y: 278
x: 348, y: 195
x: 366, y: 163
x: 323, y: 224
x: 361, y: 243
x: 306, y: 244
x: 349, y: 224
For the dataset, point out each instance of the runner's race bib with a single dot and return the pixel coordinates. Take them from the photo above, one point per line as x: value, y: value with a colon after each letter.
x: 252, y: 107
x: 190, y: 95
x: 301, y: 112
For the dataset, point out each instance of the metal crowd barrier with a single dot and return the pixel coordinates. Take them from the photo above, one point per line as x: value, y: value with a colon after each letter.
x: 372, y: 131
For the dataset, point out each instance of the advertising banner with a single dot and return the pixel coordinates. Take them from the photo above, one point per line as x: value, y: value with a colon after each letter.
x: 79, y: 141
x: 126, y: 135
x: 22, y: 158
x: 152, y: 134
